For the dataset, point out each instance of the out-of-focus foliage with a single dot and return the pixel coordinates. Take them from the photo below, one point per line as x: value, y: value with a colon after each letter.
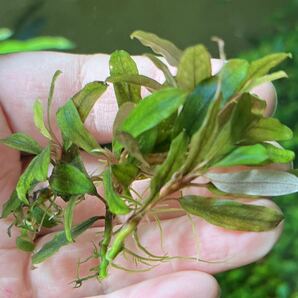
x: 276, y: 275
x: 9, y: 45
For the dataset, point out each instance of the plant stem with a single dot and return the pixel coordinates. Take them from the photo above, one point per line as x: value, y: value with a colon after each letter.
x: 102, y: 272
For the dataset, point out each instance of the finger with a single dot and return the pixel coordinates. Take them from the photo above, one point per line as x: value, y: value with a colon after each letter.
x: 218, y: 250
x: 10, y: 163
x: 26, y: 77
x: 183, y: 284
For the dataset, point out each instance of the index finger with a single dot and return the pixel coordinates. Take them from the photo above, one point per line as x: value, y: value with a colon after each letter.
x: 27, y: 76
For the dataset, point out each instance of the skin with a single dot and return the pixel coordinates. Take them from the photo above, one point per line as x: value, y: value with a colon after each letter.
x: 25, y: 77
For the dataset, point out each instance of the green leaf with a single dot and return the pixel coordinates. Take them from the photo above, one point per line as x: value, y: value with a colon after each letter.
x: 279, y: 155
x: 35, y: 44
x: 52, y: 89
x: 125, y: 173
x: 194, y: 67
x: 44, y: 217
x: 85, y: 99
x: 25, y: 244
x: 256, y: 155
x: 160, y: 46
x: 22, y: 142
x: 37, y: 171
x: 122, y: 64
x: 268, y: 129
x: 232, y: 215
x: 115, y: 202
x: 245, y: 155
x: 152, y: 110
x: 195, y: 107
x: 170, y: 80
x: 134, y: 80
x: 72, y: 128
x: 131, y: 145
x: 203, y: 139
x: 68, y: 217
x: 11, y: 205
x: 67, y: 179
x: 39, y: 119
x: 262, y: 66
x: 72, y: 156
x: 60, y: 240
x: 259, y: 182
x: 175, y: 159
x: 233, y: 75
x: 265, y: 79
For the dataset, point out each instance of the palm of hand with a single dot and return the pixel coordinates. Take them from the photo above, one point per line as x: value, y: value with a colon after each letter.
x: 25, y: 77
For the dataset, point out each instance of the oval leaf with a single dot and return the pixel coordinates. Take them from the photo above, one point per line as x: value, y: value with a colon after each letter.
x: 259, y: 182
x: 231, y: 214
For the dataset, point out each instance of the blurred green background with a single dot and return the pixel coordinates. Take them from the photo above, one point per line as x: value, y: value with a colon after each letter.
x: 250, y: 29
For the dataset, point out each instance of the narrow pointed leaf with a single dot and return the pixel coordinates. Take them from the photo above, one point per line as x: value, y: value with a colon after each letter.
x: 115, y: 202
x: 11, y: 205
x: 159, y: 45
x: 152, y: 110
x: 67, y: 179
x: 194, y: 67
x: 135, y: 80
x: 22, y: 142
x: 52, y: 88
x: 85, y: 99
x: 259, y: 182
x: 231, y: 214
x: 39, y: 119
x: 164, y: 68
x: 174, y: 161
x: 263, y: 65
x: 122, y: 114
x: 122, y: 64
x: 68, y: 217
x: 60, y: 240
x: 37, y: 171
x: 72, y: 128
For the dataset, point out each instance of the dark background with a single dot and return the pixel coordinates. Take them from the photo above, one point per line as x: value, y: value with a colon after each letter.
x: 250, y: 29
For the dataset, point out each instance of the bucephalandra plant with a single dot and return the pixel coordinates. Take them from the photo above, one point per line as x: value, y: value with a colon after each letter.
x: 190, y: 126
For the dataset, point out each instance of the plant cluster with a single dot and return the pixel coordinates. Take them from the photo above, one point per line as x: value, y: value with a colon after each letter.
x: 192, y: 125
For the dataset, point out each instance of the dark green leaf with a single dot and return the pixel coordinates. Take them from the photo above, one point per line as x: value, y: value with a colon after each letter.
x: 85, y: 99
x: 135, y: 80
x: 259, y: 182
x: 122, y: 64
x: 37, y: 171
x: 22, y: 142
x: 44, y: 217
x: 152, y: 110
x: 125, y: 173
x: 159, y: 46
x: 68, y: 217
x: 115, y: 202
x: 11, y: 205
x: 39, y: 119
x: 72, y: 128
x: 232, y: 215
x: 194, y: 67
x: 164, y: 68
x: 195, y: 107
x: 59, y: 240
x: 67, y: 179
x: 174, y: 161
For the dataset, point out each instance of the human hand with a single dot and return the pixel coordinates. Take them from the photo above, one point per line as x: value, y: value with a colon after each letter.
x: 25, y: 77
